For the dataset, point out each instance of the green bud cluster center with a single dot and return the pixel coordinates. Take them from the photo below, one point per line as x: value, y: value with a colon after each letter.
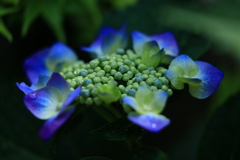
x: 126, y: 69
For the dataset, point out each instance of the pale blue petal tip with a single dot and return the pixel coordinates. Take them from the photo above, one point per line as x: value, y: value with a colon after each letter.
x: 211, y: 78
x: 54, y: 123
x: 24, y: 88
x: 72, y: 97
x: 60, y: 83
x: 149, y: 121
x: 129, y: 101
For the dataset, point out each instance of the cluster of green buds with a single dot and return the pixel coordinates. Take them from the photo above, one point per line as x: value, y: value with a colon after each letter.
x: 124, y: 68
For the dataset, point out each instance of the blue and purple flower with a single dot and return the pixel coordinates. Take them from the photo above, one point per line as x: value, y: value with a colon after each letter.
x: 109, y: 41
x: 46, y: 61
x: 147, y: 105
x: 52, y: 103
x: 203, y: 78
x: 164, y: 41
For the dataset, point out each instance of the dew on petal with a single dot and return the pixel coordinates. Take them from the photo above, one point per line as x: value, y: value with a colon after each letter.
x: 154, y: 125
x: 32, y: 95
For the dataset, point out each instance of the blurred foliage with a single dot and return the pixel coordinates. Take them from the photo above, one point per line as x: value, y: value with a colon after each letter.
x: 146, y: 152
x: 56, y: 13
x: 221, y: 139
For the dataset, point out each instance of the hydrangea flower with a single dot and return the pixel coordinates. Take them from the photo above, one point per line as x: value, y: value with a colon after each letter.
x: 147, y: 105
x: 45, y: 61
x: 51, y: 103
x: 164, y: 40
x: 109, y: 41
x: 203, y: 78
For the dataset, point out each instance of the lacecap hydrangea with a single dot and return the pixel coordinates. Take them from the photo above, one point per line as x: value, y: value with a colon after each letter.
x: 140, y: 80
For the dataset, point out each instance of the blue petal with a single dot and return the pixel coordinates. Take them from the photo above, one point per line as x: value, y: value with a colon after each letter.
x: 35, y: 65
x: 43, y: 103
x: 211, y: 78
x: 71, y: 98
x: 42, y: 81
x: 54, y: 123
x: 167, y: 41
x: 59, y: 53
x: 60, y: 84
x: 149, y: 121
x: 96, y: 46
x: 23, y: 87
x: 138, y: 40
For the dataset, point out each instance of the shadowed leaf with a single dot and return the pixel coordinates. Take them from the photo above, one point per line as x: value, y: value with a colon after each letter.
x: 120, y: 130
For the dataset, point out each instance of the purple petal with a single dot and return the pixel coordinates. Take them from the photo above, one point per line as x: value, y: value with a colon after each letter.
x: 71, y: 98
x: 43, y: 103
x: 211, y: 78
x: 23, y: 87
x: 59, y: 53
x: 96, y: 45
x: 149, y: 121
x: 35, y: 65
x: 167, y: 41
x: 60, y: 83
x: 54, y: 123
x: 114, y: 41
x: 138, y: 40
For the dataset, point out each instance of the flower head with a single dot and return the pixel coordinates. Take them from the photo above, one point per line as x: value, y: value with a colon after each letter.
x: 203, y: 78
x: 147, y: 105
x: 50, y: 103
x: 108, y: 41
x: 165, y: 41
x: 45, y: 61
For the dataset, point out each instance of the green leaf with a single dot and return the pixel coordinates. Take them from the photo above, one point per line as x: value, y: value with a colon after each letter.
x: 52, y: 13
x: 95, y: 158
x: 13, y: 2
x: 4, y: 31
x: 70, y: 125
x: 147, y: 153
x: 120, y: 130
x: 5, y: 11
x: 221, y: 139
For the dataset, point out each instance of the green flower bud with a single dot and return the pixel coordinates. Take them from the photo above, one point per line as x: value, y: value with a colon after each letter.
x: 114, y: 65
x: 135, y: 86
x: 145, y: 76
x: 107, y: 75
x: 73, y: 84
x: 129, y: 82
x: 164, y: 87
x: 146, y: 72
x: 123, y: 95
x: 94, y: 92
x: 87, y: 66
x: 90, y: 86
x: 158, y: 74
x: 132, y: 92
x: 110, y: 78
x: 96, y: 80
x: 149, y: 81
x: 105, y: 63
x: 127, y: 62
x: 97, y: 101
x: 89, y: 101
x: 170, y: 92
x: 121, y: 88
x: 104, y: 79
x: 107, y: 68
x: 164, y: 80
x: 118, y: 76
x: 120, y: 64
x: 157, y: 83
x: 142, y: 67
x: 138, y: 61
x: 142, y: 83
x: 125, y: 77
x: 113, y: 72
x: 94, y: 63
x: 150, y: 68
x: 87, y: 82
x: 97, y: 69
x: 90, y: 71
x: 153, y: 72
x: 102, y: 58
x: 91, y: 76
x: 123, y: 68
x: 85, y: 93
x: 100, y: 73
x: 153, y: 88
x: 69, y: 75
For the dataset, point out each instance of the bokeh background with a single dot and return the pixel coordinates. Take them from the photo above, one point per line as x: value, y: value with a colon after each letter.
x: 208, y: 30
